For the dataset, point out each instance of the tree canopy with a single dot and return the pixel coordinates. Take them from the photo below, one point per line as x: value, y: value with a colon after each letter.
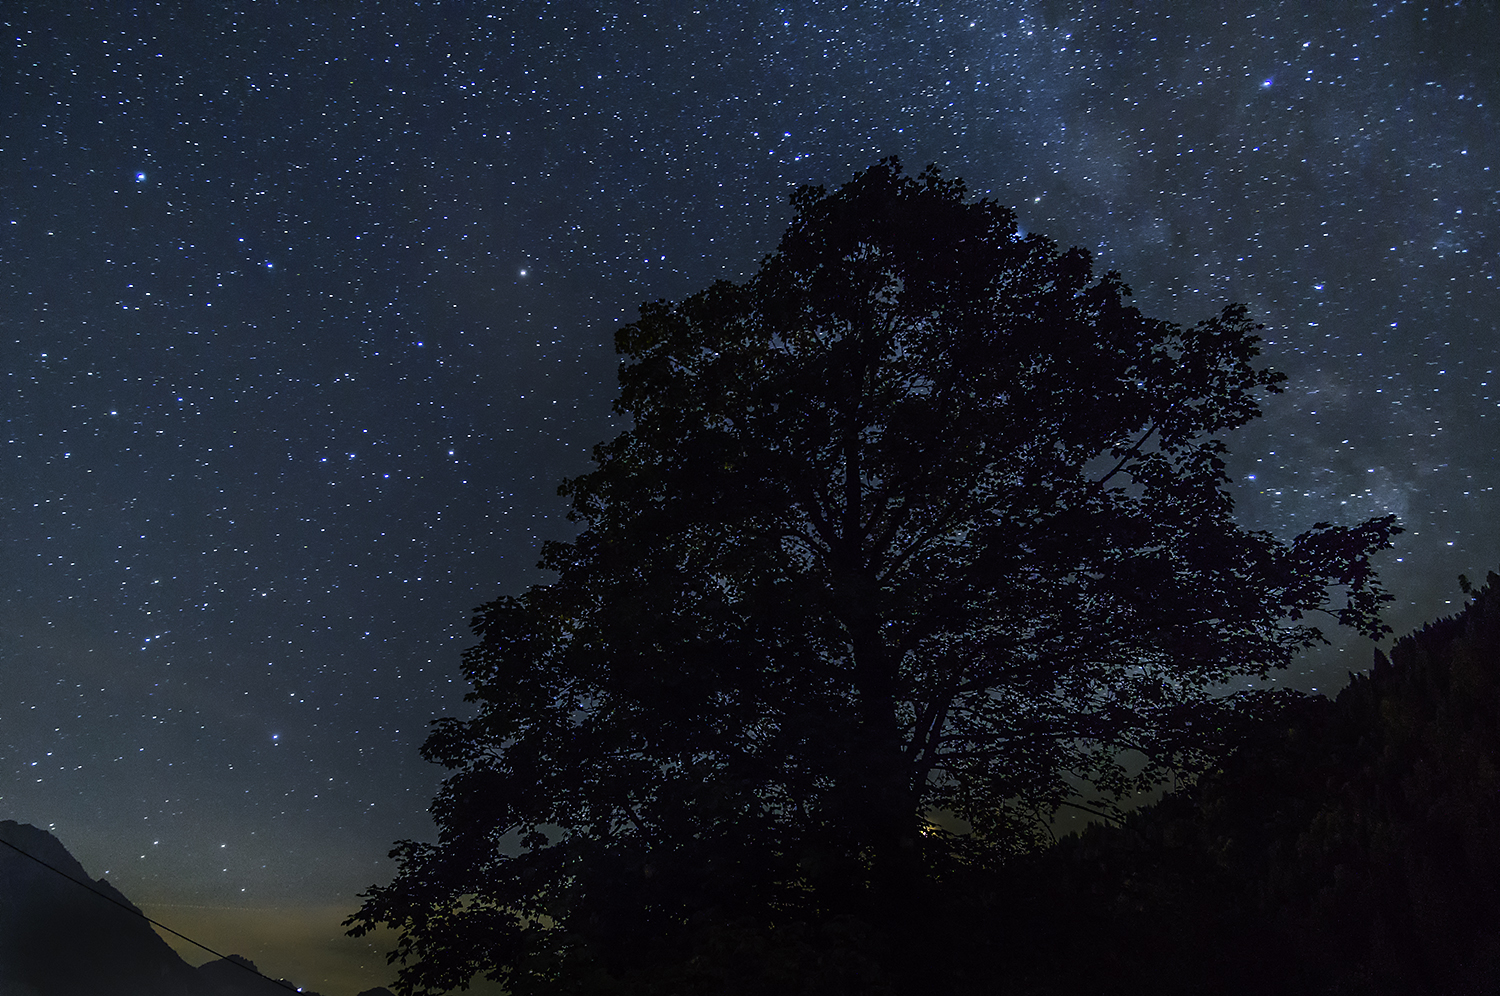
x: 925, y: 517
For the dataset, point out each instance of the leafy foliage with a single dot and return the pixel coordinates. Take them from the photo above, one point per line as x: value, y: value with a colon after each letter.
x: 924, y: 517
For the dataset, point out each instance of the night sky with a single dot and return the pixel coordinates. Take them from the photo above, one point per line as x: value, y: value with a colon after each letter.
x: 306, y: 308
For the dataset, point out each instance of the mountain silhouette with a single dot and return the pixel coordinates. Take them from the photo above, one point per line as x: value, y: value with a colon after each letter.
x: 84, y: 938
x: 227, y: 977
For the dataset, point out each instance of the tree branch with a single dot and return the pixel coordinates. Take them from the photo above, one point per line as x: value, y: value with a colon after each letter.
x: 1134, y: 451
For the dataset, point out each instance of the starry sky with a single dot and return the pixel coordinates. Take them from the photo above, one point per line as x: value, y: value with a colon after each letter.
x: 306, y: 308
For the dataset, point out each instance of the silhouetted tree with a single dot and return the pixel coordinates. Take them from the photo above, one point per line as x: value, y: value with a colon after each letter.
x: 923, y: 517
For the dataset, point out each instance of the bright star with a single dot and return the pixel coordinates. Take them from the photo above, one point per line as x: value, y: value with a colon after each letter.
x: 140, y: 178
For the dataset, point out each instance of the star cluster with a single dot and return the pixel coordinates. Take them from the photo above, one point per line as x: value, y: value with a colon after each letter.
x: 307, y: 309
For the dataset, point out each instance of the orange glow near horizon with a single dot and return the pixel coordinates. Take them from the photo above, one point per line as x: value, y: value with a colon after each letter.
x: 306, y: 945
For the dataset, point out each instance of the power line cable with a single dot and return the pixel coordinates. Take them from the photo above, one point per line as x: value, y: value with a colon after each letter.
x: 237, y: 960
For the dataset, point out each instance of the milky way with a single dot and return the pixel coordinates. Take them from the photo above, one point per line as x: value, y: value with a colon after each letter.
x: 307, y: 309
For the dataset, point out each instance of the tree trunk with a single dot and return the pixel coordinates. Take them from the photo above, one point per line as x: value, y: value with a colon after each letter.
x: 883, y: 802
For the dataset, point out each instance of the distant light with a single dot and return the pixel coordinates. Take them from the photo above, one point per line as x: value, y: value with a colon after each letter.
x: 523, y: 273
x: 140, y: 178
x: 1267, y: 83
